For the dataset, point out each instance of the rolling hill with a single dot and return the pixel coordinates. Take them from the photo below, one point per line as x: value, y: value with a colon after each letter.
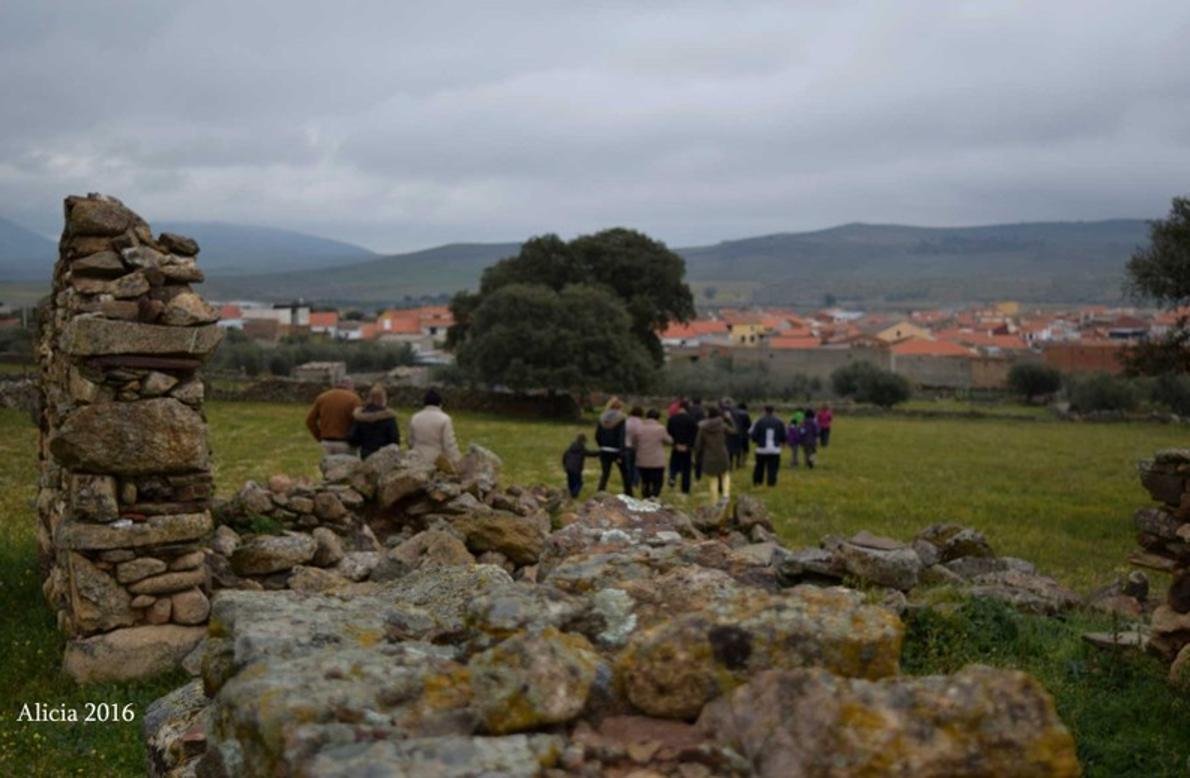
x: 24, y: 255
x: 1036, y: 262
x: 444, y: 269
x: 227, y: 249
x: 871, y: 265
x: 868, y: 264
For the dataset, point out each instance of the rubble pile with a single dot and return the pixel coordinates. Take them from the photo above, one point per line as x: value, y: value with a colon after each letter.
x: 378, y: 520
x: 1163, y: 531
x: 125, y: 484
x: 493, y: 631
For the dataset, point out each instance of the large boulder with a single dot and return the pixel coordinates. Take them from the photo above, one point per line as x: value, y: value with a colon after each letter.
x: 1027, y: 592
x: 531, y: 681
x: 154, y: 436
x: 155, y: 530
x: 894, y: 566
x: 518, y: 538
x: 130, y: 653
x: 97, y: 602
x: 86, y: 336
x: 429, y: 549
x: 511, y: 756
x: 676, y: 667
x: 954, y: 542
x: 265, y: 554
x: 97, y: 216
x: 978, y: 722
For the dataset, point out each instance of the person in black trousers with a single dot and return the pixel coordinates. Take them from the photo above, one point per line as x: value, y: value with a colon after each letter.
x: 610, y: 435
x: 743, y: 424
x: 768, y: 433
x: 683, y: 429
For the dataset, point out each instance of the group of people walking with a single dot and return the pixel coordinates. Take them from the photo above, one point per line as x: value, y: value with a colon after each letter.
x: 343, y: 423
x: 707, y: 442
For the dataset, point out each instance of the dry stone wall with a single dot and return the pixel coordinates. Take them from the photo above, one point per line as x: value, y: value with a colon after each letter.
x: 1163, y: 531
x: 125, y: 482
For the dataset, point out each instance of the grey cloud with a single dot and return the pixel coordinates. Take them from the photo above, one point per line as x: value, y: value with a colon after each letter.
x: 404, y: 125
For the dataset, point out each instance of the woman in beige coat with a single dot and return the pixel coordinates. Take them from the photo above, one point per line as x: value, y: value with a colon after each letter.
x: 649, y: 441
x: 432, y: 433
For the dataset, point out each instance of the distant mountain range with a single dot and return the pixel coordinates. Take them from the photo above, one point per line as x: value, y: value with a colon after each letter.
x: 24, y: 255
x: 1067, y: 262
x: 865, y: 264
x: 227, y: 249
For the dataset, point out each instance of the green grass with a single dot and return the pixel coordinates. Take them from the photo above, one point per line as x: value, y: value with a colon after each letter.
x: 1058, y: 494
x: 1123, y: 717
x: 31, y: 647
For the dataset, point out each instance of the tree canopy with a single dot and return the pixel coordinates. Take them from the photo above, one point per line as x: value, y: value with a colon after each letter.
x: 530, y: 336
x: 1161, y: 273
x: 1033, y: 379
x: 641, y: 272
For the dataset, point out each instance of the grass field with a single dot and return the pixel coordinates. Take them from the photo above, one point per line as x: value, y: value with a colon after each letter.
x: 1058, y: 494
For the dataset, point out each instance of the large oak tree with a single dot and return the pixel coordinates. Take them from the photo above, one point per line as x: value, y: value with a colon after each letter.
x: 642, y: 273
x: 1161, y: 273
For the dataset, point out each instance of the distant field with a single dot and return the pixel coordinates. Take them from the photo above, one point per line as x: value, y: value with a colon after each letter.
x: 1058, y: 494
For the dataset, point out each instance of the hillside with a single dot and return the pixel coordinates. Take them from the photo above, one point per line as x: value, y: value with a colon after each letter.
x: 869, y: 264
x: 865, y: 264
x: 1036, y: 262
x: 379, y: 281
x: 24, y: 255
x: 244, y: 248
x: 227, y: 249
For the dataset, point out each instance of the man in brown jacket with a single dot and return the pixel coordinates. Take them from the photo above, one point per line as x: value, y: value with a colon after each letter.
x: 329, y: 419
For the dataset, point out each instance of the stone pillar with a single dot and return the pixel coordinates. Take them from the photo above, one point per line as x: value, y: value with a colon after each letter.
x: 125, y: 482
x: 1164, y: 533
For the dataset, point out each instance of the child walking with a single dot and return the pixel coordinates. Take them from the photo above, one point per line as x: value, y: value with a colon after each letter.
x: 572, y: 463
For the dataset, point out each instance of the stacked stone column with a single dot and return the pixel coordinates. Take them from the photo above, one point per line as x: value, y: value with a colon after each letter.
x: 1164, y: 533
x: 125, y: 482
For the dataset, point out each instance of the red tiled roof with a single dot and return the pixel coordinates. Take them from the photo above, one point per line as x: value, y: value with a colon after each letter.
x: 694, y: 329
x: 230, y: 312
x: 398, y: 325
x: 324, y: 319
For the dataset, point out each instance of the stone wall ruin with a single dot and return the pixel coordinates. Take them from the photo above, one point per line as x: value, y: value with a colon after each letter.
x: 125, y: 482
x: 1163, y: 531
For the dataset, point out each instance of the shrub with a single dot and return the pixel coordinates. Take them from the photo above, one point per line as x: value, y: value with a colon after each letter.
x: 845, y: 381
x: 1101, y: 392
x: 1033, y: 379
x: 864, y: 382
x: 884, y: 388
x: 1173, y: 391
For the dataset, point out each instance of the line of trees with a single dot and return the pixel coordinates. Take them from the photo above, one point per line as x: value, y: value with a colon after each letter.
x: 240, y: 354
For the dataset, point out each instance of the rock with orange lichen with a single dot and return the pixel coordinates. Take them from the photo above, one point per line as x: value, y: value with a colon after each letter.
x: 676, y: 667
x: 977, y: 723
x: 534, y: 680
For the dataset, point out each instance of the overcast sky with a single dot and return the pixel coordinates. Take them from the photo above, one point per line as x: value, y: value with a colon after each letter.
x: 401, y: 127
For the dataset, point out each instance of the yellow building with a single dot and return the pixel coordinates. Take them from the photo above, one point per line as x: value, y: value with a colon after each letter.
x: 1008, y: 308
x: 903, y: 330
x: 748, y: 334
